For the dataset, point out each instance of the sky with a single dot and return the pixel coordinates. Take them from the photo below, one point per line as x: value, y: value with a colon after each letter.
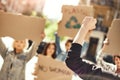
x: 52, y: 8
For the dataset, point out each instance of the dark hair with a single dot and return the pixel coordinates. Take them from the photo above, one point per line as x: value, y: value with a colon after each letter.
x: 69, y: 41
x: 109, y: 59
x: 41, y: 47
x: 29, y: 43
x: 116, y: 56
x: 46, y: 47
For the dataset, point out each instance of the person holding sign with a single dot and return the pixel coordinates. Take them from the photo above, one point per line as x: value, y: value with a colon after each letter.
x: 110, y: 63
x: 50, y: 50
x: 15, y: 59
x: 85, y: 70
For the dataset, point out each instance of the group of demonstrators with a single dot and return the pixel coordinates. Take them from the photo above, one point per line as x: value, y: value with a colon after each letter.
x: 22, y: 51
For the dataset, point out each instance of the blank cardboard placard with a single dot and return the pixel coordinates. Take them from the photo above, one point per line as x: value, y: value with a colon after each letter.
x: 72, y: 18
x: 114, y: 39
x: 20, y: 26
x: 51, y: 69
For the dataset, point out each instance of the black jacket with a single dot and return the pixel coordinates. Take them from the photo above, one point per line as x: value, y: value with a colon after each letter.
x: 85, y: 70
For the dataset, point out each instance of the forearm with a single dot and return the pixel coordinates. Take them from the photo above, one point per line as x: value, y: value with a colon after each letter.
x: 80, y: 37
x: 31, y: 52
x: 87, y: 25
x: 74, y: 61
x: 57, y: 41
x: 3, y: 49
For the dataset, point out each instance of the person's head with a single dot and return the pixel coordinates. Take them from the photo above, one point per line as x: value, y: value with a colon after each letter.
x: 68, y: 44
x: 108, y: 58
x: 50, y: 50
x: 19, y: 45
x: 117, y: 61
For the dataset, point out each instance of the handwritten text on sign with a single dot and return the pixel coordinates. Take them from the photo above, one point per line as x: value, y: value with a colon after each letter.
x: 72, y: 19
x: 54, y: 69
x: 48, y: 68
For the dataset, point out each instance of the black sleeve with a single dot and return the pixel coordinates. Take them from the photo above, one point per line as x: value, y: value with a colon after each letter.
x: 41, y: 47
x: 75, y: 63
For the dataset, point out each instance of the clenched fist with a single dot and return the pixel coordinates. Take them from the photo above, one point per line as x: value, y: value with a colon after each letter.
x: 89, y: 23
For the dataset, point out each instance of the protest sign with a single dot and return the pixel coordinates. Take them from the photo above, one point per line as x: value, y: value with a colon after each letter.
x: 72, y: 18
x: 113, y: 38
x: 51, y: 69
x: 20, y: 26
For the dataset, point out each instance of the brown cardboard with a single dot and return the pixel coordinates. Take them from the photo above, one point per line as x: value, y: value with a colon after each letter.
x: 105, y: 12
x: 21, y: 27
x: 51, y: 69
x: 114, y: 39
x: 70, y: 13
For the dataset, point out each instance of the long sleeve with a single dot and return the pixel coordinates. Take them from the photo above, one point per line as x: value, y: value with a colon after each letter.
x: 3, y: 49
x: 75, y: 63
x: 31, y: 52
x: 57, y: 42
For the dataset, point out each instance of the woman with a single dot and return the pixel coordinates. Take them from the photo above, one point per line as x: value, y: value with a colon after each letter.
x: 50, y: 50
x: 15, y: 60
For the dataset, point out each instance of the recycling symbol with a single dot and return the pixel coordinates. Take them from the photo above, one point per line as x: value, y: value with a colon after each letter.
x: 72, y: 23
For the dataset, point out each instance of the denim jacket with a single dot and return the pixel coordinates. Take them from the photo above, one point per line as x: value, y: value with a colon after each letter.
x: 14, y: 64
x: 61, y: 55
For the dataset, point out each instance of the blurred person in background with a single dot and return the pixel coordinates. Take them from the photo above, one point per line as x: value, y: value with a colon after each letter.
x: 61, y: 55
x: 50, y: 50
x: 110, y: 63
x: 15, y: 59
x: 46, y: 48
x: 42, y: 43
x: 117, y: 63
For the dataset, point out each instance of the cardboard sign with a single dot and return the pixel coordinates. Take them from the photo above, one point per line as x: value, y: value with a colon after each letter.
x: 72, y: 18
x: 20, y: 26
x: 114, y: 39
x: 105, y: 13
x: 51, y: 69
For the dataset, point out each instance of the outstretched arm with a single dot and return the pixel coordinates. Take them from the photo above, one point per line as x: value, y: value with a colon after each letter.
x: 3, y: 49
x: 74, y: 61
x: 57, y: 41
x: 87, y: 25
x: 31, y: 51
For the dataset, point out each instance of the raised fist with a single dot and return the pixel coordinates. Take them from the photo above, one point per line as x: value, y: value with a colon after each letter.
x: 89, y: 23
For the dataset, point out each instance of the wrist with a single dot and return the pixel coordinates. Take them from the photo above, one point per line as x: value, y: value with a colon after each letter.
x: 84, y: 27
x: 80, y: 37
